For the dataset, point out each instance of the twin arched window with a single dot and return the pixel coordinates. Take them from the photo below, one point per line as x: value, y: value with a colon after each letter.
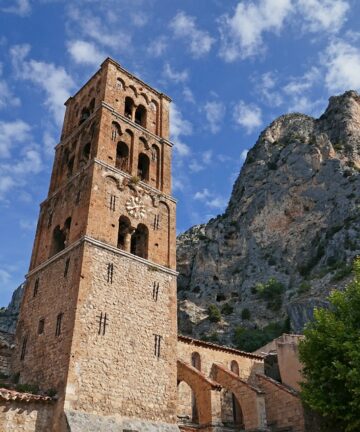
x: 135, y: 241
x: 137, y: 115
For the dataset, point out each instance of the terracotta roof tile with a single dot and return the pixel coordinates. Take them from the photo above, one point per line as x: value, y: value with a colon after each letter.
x: 13, y: 395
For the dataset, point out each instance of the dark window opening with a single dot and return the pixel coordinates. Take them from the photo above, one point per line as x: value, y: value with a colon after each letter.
x: 129, y: 107
x: 124, y: 232
x: 103, y: 322
x: 92, y: 106
x: 58, y: 324
x: 122, y: 157
x: 196, y: 360
x: 67, y: 264
x: 41, y: 326
x: 78, y: 196
x: 59, y: 239
x: 50, y: 220
x: 115, y: 131
x: 234, y: 367
x: 140, y: 116
x: 110, y: 272
x: 85, y: 114
x: 23, y: 348
x: 143, y: 167
x: 86, y: 151
x: 157, y: 346
x: 70, y: 166
x: 36, y: 288
x: 156, y: 286
x: 139, y: 241
x: 237, y: 412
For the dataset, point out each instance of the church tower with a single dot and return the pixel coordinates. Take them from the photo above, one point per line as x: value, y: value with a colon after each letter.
x: 98, y: 317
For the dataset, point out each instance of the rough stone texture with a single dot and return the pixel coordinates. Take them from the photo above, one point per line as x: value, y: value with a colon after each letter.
x: 9, y: 315
x: 82, y: 421
x: 293, y: 215
x: 6, y: 348
x: 25, y: 417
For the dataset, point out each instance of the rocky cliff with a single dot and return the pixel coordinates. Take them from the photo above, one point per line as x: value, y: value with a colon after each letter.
x: 288, y: 235
x: 9, y: 315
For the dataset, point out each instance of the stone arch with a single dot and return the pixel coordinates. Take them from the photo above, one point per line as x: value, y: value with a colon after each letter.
x: 120, y: 84
x: 122, y: 156
x: 141, y: 115
x: 58, y: 240
x: 234, y: 367
x: 184, y: 403
x: 133, y: 88
x: 196, y: 360
x: 124, y: 233
x: 115, y: 130
x: 140, y: 241
x: 145, y: 97
x: 249, y: 398
x: 143, y: 167
x: 114, y: 178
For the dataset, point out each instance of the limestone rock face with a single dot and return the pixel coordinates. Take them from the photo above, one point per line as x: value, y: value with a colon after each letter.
x: 293, y: 215
x: 9, y: 315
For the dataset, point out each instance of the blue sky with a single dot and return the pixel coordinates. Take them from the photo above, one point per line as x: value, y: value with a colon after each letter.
x: 231, y: 67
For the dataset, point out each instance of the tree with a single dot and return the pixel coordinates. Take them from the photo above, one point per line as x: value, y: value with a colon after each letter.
x: 330, y: 354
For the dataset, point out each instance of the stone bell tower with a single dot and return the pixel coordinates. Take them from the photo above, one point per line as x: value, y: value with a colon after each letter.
x: 98, y: 317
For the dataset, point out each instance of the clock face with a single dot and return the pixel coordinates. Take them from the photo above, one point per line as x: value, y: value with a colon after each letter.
x: 136, y: 208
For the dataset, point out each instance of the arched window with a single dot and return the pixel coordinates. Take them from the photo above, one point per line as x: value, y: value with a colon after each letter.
x: 196, y: 360
x: 85, y: 114
x: 120, y: 84
x: 58, y: 240
x: 143, y: 167
x: 122, y: 157
x: 115, y: 131
x: 140, y: 115
x: 139, y: 241
x: 234, y: 367
x: 70, y: 166
x: 129, y: 107
x: 124, y: 233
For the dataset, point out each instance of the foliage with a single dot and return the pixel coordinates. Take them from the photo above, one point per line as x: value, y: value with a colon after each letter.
x: 213, y: 337
x: 245, y: 314
x: 304, y: 287
x: 331, y: 357
x: 27, y: 388
x: 227, y: 309
x: 135, y: 180
x: 253, y: 339
x: 271, y: 292
x: 214, y: 313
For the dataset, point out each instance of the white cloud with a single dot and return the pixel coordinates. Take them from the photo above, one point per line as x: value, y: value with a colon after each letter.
x: 157, y: 47
x: 175, y: 76
x: 248, y: 116
x: 211, y: 200
x: 7, y: 98
x: 188, y: 95
x: 179, y: 127
x: 49, y: 143
x: 323, y: 15
x: 214, y: 112
x: 266, y: 86
x: 53, y: 80
x: 19, y: 7
x: 297, y: 85
x: 11, y: 133
x: 139, y: 19
x: 342, y: 63
x: 83, y: 52
x: 4, y: 275
x: 184, y: 27
x: 6, y: 184
x: 103, y: 28
x: 242, y: 34
x: 243, y: 154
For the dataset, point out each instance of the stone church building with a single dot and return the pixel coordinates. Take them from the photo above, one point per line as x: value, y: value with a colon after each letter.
x: 97, y: 330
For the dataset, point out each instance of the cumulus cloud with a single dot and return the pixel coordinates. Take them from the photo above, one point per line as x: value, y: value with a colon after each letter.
x: 323, y: 15
x: 4, y: 274
x: 175, y: 76
x: 18, y: 7
x: 266, y: 86
x: 11, y: 133
x: 342, y: 63
x: 243, y: 154
x: 214, y: 112
x: 199, y: 41
x: 298, y: 85
x: 157, y: 47
x: 7, y: 98
x: 188, y: 95
x: 248, y: 116
x: 210, y: 199
x: 179, y: 127
x: 202, y: 195
x: 83, y: 52
x: 242, y: 33
x: 53, y: 80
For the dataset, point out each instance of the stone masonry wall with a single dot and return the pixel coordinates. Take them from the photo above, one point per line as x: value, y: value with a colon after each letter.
x: 118, y: 372
x: 25, y: 417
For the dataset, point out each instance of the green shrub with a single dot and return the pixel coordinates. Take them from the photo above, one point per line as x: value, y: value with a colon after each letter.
x: 214, y: 313
x: 213, y: 337
x: 304, y: 287
x: 27, y: 388
x: 342, y: 272
x: 227, y: 309
x: 253, y: 339
x: 271, y: 292
x: 245, y: 314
